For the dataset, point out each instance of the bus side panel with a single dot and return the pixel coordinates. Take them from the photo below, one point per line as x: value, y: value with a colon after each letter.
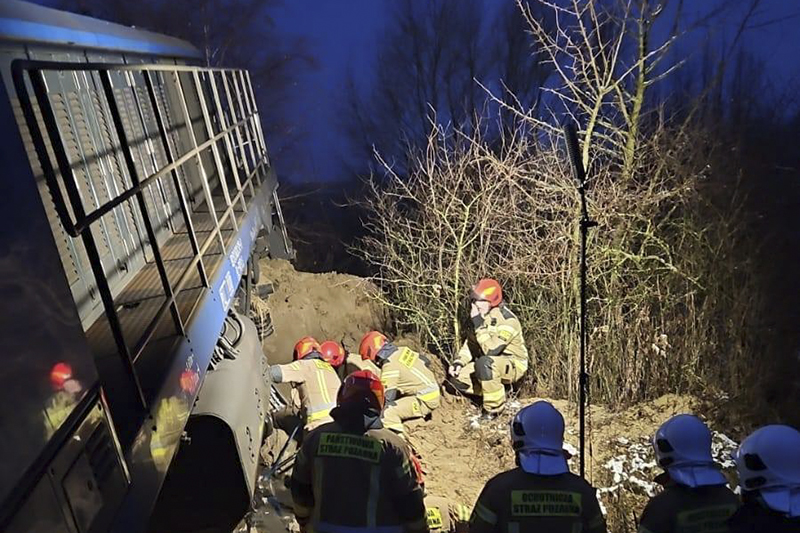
x: 46, y: 368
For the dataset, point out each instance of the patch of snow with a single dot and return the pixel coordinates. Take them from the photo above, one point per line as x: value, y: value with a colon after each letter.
x: 633, y: 466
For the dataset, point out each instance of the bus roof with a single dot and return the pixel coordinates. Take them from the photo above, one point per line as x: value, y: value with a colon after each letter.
x: 30, y: 23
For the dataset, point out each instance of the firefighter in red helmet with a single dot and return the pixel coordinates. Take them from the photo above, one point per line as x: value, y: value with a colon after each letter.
x: 500, y: 356
x: 381, y: 491
x: 314, y: 383
x: 411, y: 388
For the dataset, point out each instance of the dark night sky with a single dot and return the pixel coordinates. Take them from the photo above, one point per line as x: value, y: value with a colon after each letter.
x: 342, y: 36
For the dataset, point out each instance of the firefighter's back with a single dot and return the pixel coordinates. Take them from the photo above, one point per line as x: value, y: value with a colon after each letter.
x: 518, y: 501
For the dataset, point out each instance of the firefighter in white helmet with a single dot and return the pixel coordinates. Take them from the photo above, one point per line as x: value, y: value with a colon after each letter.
x: 540, y: 494
x: 768, y: 464
x: 695, y: 496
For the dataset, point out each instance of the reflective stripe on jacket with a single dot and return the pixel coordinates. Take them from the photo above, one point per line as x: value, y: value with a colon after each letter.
x: 406, y: 372
x: 498, y: 333
x: 318, y: 383
x: 356, y: 483
x: 680, y: 509
x: 518, y: 501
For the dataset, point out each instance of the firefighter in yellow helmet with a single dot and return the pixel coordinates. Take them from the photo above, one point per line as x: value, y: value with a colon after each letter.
x: 502, y: 356
x: 354, y: 476
x: 314, y: 380
x: 411, y: 388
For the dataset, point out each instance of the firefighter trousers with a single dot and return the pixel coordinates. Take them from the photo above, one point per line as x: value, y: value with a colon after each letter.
x: 504, y: 372
x: 405, y: 408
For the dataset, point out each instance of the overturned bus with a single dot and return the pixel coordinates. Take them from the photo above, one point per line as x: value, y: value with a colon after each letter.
x: 137, y: 198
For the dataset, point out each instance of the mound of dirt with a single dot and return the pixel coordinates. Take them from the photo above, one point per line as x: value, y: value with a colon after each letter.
x: 325, y: 306
x: 459, y: 450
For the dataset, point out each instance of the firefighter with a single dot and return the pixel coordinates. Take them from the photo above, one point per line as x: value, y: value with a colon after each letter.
x: 352, y: 474
x: 411, y: 388
x: 768, y: 464
x: 540, y: 494
x: 354, y: 362
x: 443, y: 514
x: 695, y: 495
x: 314, y: 383
x: 333, y: 353
x: 503, y: 357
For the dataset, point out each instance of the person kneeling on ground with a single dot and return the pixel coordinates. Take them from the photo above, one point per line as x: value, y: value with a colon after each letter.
x: 354, y: 476
x: 695, y: 496
x: 333, y: 354
x: 540, y: 494
x: 411, y: 388
x: 768, y: 464
x: 314, y: 385
x: 502, y: 357
x: 353, y: 363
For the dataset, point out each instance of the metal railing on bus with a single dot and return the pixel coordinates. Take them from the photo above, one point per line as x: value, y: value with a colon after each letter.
x: 236, y: 116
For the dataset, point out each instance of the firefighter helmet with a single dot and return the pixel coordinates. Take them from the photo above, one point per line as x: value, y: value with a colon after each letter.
x: 537, y: 435
x: 332, y: 352
x: 60, y: 374
x: 304, y: 347
x: 488, y: 290
x: 362, y: 388
x: 683, y: 448
x: 769, y: 461
x: 371, y: 344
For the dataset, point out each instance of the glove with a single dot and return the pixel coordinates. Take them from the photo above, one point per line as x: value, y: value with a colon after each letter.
x: 455, y: 369
x: 474, y: 311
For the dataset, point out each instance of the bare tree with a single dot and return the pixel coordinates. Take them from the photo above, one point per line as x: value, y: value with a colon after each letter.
x: 430, y: 67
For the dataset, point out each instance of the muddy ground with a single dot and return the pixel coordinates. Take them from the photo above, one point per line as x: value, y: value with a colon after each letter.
x: 459, y: 451
x: 325, y: 306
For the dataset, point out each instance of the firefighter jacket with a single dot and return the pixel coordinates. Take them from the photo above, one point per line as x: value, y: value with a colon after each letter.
x: 406, y: 373
x: 354, y: 363
x: 498, y: 333
x: 681, y: 509
x: 518, y: 501
x: 317, y: 384
x: 356, y: 481
x: 446, y: 516
x: 754, y: 518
